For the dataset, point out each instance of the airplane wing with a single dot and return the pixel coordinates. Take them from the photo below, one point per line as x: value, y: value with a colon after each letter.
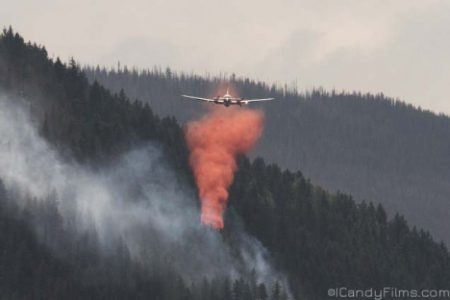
x: 258, y: 100
x: 198, y: 98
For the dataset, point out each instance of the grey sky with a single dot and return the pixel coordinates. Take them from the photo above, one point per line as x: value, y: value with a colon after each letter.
x: 398, y: 47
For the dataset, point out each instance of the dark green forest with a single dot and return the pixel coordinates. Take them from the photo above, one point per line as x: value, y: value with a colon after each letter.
x: 371, y: 146
x: 320, y: 240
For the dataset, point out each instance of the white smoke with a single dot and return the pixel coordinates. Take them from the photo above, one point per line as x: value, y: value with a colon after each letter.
x: 138, y: 200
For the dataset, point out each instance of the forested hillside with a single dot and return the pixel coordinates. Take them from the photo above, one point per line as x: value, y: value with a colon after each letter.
x: 370, y: 146
x: 319, y: 240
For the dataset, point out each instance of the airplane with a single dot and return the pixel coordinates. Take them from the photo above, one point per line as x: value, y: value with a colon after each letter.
x: 228, y: 100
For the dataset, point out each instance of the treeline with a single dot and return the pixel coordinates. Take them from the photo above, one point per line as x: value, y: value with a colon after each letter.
x: 320, y: 240
x: 371, y: 146
x: 325, y: 240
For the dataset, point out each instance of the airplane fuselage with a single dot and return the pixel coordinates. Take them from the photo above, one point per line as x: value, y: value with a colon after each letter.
x: 227, y: 100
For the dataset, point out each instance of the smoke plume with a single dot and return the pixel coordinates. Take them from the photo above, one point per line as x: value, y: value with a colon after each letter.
x: 138, y: 200
x: 214, y: 142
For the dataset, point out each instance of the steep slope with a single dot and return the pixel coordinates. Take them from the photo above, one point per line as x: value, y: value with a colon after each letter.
x: 370, y: 146
x: 320, y: 240
x: 94, y: 132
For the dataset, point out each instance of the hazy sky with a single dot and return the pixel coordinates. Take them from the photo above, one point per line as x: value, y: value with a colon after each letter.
x: 398, y: 47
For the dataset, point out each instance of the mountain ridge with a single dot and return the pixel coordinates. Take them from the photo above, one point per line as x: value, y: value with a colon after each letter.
x: 320, y: 240
x: 371, y: 146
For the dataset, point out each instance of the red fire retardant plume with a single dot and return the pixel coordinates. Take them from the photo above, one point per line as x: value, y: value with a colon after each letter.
x: 214, y: 142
